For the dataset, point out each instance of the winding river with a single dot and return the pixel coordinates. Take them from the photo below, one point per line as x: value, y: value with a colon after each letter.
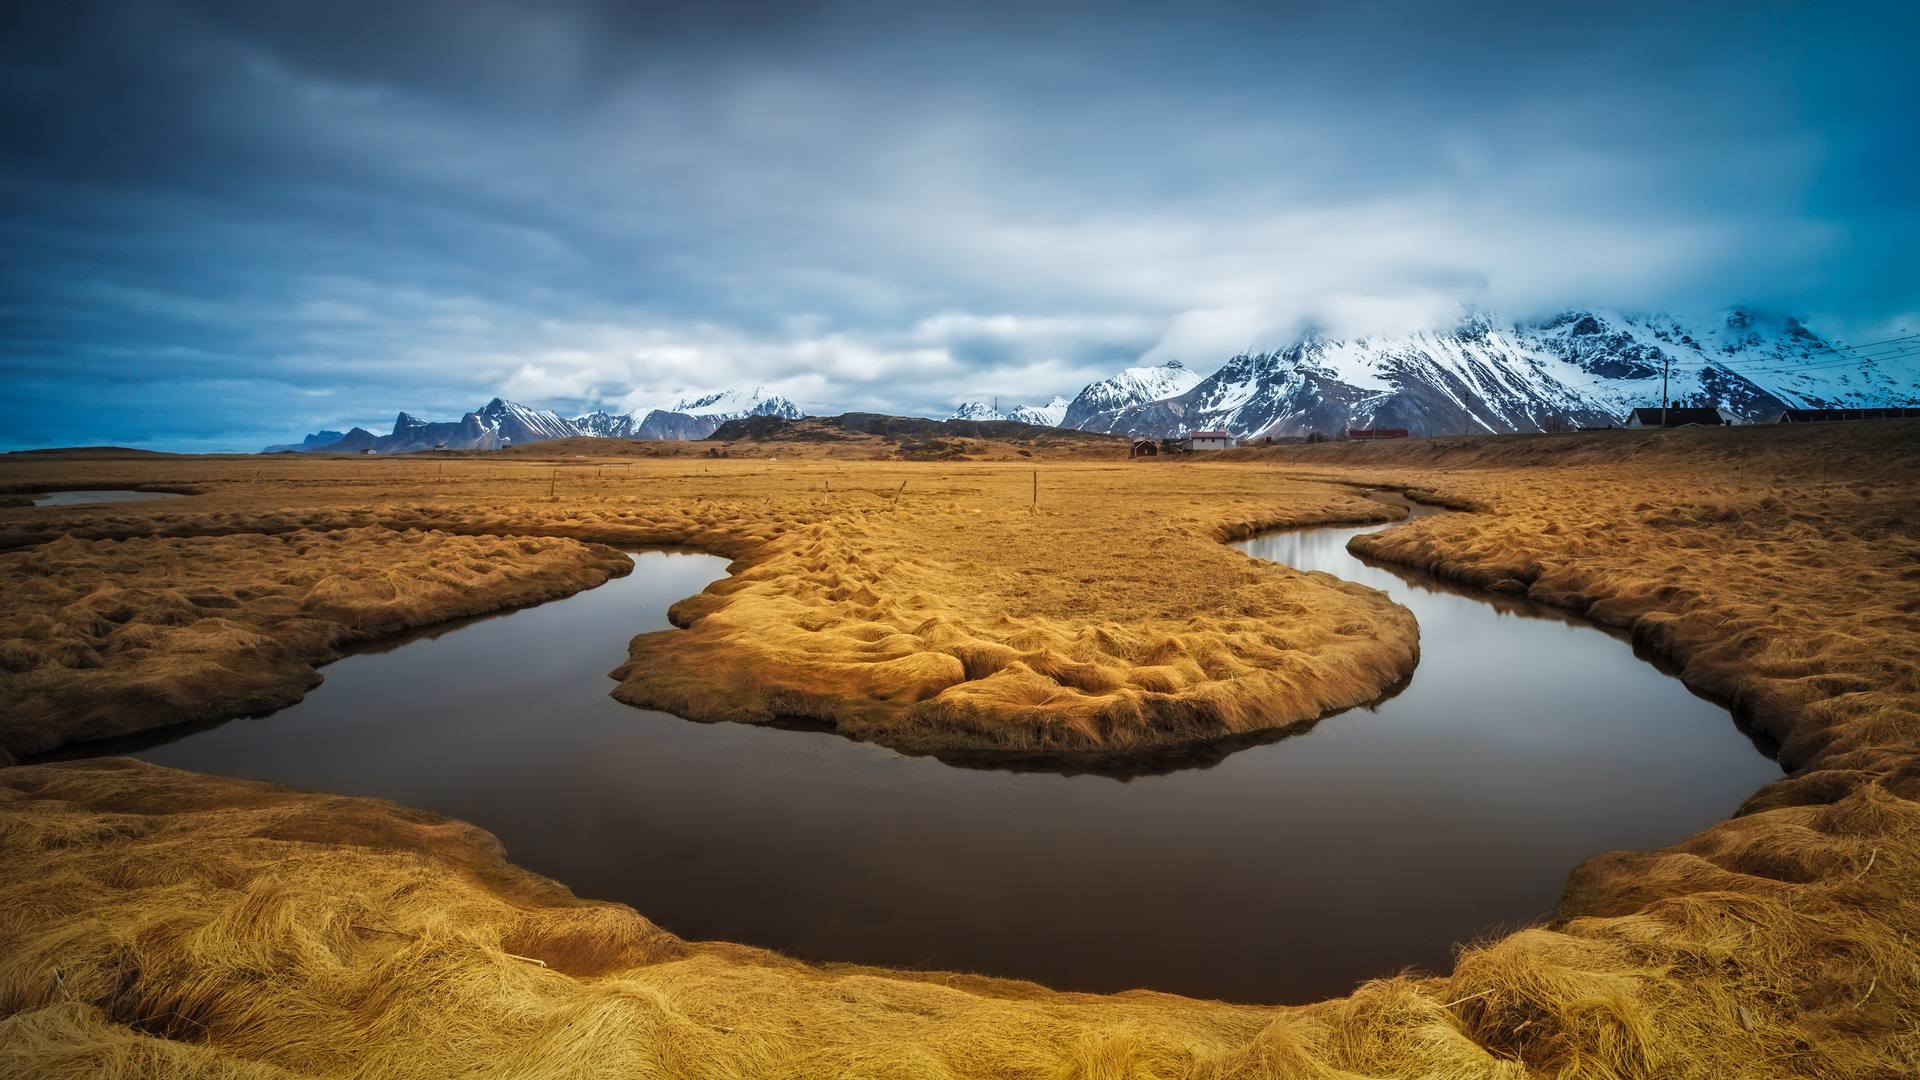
x: 1526, y: 742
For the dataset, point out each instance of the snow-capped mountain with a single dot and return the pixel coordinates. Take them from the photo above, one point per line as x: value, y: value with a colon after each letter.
x: 520, y: 424
x: 1096, y: 406
x: 737, y: 404
x: 1752, y: 364
x: 1576, y: 369
x: 977, y: 410
x: 505, y: 423
x: 605, y: 425
x: 1049, y: 415
x: 1582, y: 368
x: 699, y: 417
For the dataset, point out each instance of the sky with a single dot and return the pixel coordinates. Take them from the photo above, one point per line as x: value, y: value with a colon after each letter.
x: 228, y: 223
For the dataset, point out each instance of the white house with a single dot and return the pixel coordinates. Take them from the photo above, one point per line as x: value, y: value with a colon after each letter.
x: 1209, y: 440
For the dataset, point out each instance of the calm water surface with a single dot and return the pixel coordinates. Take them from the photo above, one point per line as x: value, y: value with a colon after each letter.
x: 1286, y: 872
x: 77, y: 498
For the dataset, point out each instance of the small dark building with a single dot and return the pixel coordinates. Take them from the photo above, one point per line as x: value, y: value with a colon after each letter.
x: 1377, y: 433
x: 1678, y: 417
x: 1815, y: 416
x: 1145, y: 448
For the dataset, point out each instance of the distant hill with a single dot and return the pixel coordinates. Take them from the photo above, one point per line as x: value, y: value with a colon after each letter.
x: 918, y: 438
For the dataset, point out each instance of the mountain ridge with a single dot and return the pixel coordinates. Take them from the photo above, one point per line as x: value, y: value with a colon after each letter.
x: 1578, y: 368
x: 501, y: 423
x: 1582, y: 367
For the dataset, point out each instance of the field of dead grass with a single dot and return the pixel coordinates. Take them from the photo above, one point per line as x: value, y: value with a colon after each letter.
x: 175, y: 925
x: 935, y: 607
x: 102, y: 637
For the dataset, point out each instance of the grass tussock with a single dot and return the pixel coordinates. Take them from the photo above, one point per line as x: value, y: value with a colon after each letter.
x: 902, y: 628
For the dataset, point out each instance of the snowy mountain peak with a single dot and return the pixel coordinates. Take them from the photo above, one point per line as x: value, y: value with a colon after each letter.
x: 736, y: 404
x: 501, y: 423
x: 977, y: 410
x: 1579, y: 368
x: 1130, y: 388
x: 1049, y: 415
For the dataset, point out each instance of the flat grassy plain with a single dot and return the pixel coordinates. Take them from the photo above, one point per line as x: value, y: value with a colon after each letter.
x: 162, y: 923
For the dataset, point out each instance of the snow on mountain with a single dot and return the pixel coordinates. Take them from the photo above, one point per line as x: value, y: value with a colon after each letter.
x: 737, y: 404
x: 699, y: 417
x: 605, y: 425
x: 977, y: 410
x: 1049, y: 415
x: 411, y: 433
x: 1752, y: 364
x: 1133, y: 387
x: 521, y: 424
x: 1581, y: 368
x: 1577, y: 369
x: 502, y: 423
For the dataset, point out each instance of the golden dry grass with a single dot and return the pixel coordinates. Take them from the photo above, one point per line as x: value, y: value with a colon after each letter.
x: 180, y: 925
x: 102, y: 637
x: 932, y: 607
x: 162, y: 924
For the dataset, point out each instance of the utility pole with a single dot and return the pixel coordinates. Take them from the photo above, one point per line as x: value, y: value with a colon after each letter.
x: 1666, y: 363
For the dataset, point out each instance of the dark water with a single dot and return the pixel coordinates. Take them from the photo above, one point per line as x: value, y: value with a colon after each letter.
x: 1286, y: 872
x: 77, y: 498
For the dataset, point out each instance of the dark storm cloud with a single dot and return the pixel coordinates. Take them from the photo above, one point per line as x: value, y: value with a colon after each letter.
x: 228, y: 222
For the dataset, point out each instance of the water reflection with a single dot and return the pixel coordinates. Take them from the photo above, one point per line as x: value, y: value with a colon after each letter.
x: 81, y: 498
x: 1284, y: 872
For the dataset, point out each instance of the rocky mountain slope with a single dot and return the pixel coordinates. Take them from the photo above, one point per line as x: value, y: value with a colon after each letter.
x: 1100, y: 406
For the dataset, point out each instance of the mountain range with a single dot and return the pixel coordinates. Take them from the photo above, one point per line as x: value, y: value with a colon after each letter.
x: 1575, y: 369
x: 504, y: 423
x: 1052, y: 414
x: 1579, y: 368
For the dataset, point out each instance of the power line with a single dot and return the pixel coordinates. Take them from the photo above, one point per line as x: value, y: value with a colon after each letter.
x: 1871, y: 344
x: 1777, y: 366
x: 1835, y: 361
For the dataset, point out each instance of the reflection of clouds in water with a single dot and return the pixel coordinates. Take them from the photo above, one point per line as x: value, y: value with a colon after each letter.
x: 1483, y: 662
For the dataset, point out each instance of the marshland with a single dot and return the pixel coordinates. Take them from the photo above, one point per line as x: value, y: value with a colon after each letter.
x: 1018, y: 765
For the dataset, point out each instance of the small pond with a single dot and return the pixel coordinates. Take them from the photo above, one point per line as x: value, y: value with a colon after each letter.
x: 1286, y: 872
x: 80, y: 498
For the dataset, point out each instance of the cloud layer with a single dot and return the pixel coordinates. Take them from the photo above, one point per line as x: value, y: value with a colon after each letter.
x: 228, y: 223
